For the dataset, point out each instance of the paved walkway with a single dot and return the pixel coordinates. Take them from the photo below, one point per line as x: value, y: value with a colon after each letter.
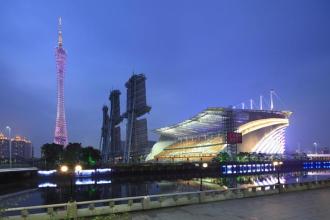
x: 303, y: 205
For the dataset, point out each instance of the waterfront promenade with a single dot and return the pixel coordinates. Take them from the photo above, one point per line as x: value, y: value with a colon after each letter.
x: 283, y: 202
x: 302, y: 205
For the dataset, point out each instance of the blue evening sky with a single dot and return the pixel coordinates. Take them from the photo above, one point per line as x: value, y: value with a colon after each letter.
x: 195, y: 54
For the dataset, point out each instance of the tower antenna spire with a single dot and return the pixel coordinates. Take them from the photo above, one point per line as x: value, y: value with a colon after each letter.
x: 60, y: 37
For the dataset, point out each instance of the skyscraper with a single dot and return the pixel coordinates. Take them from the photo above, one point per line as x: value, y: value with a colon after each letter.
x: 61, y: 136
x: 136, y: 129
x: 111, y: 134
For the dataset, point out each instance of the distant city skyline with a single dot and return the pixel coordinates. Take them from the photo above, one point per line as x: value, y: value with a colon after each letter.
x: 195, y: 54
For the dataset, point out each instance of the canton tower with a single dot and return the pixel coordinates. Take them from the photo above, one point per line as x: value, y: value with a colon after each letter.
x: 61, y: 136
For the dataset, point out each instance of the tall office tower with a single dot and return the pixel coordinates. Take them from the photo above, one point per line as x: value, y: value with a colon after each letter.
x: 110, y: 137
x: 61, y: 136
x: 105, y: 138
x: 136, y: 129
x: 115, y: 120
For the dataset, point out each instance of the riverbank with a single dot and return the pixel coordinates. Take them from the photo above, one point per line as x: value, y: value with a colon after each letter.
x: 143, y: 203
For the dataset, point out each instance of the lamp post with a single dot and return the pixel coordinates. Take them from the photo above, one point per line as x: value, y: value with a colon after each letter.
x: 9, y: 136
x: 277, y: 165
x: 315, y: 147
x: 32, y: 154
x: 65, y: 170
x: 202, y: 166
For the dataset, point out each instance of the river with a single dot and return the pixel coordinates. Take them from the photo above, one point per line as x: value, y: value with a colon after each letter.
x: 41, y: 190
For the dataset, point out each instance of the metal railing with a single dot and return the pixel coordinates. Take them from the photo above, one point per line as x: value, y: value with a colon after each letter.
x: 18, y: 169
x: 14, y: 165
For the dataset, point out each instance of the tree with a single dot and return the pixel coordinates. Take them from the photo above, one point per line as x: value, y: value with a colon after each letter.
x: 254, y: 157
x: 51, y: 154
x: 72, y: 153
x: 243, y: 157
x: 223, y: 157
x: 55, y: 155
x: 90, y: 156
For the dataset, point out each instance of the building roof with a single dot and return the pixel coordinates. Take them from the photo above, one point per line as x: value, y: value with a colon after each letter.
x: 21, y: 139
x: 208, y: 121
x: 17, y: 138
x: 3, y: 137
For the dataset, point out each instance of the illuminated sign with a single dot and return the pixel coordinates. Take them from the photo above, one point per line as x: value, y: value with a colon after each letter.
x: 234, y: 138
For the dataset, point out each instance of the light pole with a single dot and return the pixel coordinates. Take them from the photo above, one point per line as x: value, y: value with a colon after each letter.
x: 32, y: 154
x: 202, y: 166
x: 277, y: 165
x: 65, y: 170
x: 9, y: 134
x: 315, y: 147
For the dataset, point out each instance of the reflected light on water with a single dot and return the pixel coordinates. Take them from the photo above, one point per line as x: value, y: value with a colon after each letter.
x: 91, y: 182
x: 268, y: 181
x: 44, y: 185
x: 46, y: 172
x: 84, y: 182
x: 78, y: 172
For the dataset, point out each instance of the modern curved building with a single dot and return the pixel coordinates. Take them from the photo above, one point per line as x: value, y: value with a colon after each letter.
x: 204, y: 136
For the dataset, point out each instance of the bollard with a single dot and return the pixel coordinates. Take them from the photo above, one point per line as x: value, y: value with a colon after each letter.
x: 91, y: 206
x: 50, y: 212
x: 213, y: 194
x: 71, y: 210
x: 201, y: 197
x: 24, y: 213
x: 130, y: 203
x: 146, y: 202
x: 111, y: 204
x: 161, y: 199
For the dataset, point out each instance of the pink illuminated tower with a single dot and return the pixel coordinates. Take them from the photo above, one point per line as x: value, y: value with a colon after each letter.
x: 61, y: 136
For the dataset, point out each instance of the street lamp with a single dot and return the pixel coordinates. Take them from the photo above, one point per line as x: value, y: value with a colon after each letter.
x: 78, y: 168
x: 9, y: 134
x: 202, y: 166
x: 277, y: 165
x: 315, y: 147
x: 65, y: 169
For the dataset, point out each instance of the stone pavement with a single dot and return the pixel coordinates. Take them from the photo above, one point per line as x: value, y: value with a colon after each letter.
x: 303, y: 205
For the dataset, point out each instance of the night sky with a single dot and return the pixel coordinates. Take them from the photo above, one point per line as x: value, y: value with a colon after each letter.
x: 195, y: 54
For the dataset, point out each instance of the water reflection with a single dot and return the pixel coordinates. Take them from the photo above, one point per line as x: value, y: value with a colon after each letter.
x: 50, y: 191
x: 43, y: 185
